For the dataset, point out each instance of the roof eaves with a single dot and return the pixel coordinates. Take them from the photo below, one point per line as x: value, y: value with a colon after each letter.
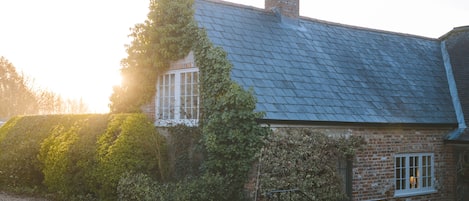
x: 323, y: 21
x: 355, y: 124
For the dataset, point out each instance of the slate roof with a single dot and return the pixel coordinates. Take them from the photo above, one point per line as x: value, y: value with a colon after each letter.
x: 311, y: 70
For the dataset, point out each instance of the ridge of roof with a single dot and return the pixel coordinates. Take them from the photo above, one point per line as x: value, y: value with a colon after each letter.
x: 229, y: 3
x: 311, y: 19
x: 366, y: 28
x: 454, y: 30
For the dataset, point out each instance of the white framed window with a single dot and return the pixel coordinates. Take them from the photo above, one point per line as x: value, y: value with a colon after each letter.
x: 177, y: 97
x: 414, y: 174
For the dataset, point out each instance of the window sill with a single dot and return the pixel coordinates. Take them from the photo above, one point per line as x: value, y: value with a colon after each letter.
x: 414, y: 193
x: 174, y: 122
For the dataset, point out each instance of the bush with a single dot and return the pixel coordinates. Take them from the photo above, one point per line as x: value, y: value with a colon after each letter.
x: 68, y: 156
x: 78, y: 157
x: 207, y: 187
x: 20, y: 142
x: 130, y: 143
x: 136, y: 187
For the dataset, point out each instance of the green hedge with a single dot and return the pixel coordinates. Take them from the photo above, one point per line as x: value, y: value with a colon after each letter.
x: 77, y: 156
x: 130, y: 144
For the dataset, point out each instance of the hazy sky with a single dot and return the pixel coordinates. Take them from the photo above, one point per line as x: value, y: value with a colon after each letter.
x: 74, y: 47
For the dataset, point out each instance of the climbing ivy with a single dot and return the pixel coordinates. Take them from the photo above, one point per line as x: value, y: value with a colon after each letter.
x: 231, y: 135
x: 305, y: 159
x: 167, y: 35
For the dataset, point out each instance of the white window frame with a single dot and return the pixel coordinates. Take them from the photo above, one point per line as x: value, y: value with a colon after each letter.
x: 177, y: 101
x: 409, y: 179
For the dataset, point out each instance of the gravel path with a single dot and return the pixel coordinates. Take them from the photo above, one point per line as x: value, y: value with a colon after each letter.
x: 6, y: 197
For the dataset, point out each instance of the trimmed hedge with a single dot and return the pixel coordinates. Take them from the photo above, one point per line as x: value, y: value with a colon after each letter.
x: 130, y: 144
x: 78, y: 156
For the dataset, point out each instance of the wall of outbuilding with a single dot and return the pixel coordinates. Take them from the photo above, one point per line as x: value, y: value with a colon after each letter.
x: 373, y: 166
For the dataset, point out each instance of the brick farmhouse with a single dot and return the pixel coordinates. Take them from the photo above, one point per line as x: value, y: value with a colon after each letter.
x: 406, y: 95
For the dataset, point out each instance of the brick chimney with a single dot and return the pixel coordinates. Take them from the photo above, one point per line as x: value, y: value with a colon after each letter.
x: 288, y: 8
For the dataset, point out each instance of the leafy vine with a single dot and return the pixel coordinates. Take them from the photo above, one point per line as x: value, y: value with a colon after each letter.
x: 167, y: 35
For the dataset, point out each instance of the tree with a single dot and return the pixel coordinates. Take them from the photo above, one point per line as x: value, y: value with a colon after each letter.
x: 19, y: 96
x: 15, y: 96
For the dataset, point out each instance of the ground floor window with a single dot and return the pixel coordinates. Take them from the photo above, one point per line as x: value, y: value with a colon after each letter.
x: 414, y: 174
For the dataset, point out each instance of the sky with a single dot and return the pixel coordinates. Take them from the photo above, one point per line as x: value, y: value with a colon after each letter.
x: 74, y: 47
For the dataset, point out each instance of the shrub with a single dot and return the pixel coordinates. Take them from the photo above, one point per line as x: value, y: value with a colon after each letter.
x: 130, y: 143
x: 78, y: 157
x: 207, y: 187
x: 68, y: 156
x: 20, y: 142
x: 136, y: 187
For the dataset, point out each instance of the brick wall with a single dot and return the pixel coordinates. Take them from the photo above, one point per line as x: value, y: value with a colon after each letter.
x: 150, y: 110
x: 290, y: 8
x: 373, y: 167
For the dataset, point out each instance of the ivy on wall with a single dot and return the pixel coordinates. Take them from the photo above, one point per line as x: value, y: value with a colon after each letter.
x: 231, y: 135
x: 305, y: 159
x: 167, y: 35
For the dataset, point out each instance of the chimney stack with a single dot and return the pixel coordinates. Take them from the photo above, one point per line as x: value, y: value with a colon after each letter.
x: 288, y: 8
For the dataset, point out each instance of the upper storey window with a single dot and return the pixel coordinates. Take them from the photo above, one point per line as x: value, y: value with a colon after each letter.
x: 177, y: 95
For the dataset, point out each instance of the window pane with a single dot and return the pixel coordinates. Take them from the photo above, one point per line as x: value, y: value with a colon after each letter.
x: 400, y: 173
x: 413, y: 173
x: 177, y: 100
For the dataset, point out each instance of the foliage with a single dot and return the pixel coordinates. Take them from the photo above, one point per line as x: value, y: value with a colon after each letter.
x: 231, y: 148
x: 167, y: 35
x: 19, y: 96
x: 78, y: 157
x: 130, y: 143
x: 136, y: 187
x: 186, y: 151
x: 141, y: 187
x: 20, y: 142
x: 307, y: 160
x: 208, y: 187
x: 15, y: 96
x: 68, y: 156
